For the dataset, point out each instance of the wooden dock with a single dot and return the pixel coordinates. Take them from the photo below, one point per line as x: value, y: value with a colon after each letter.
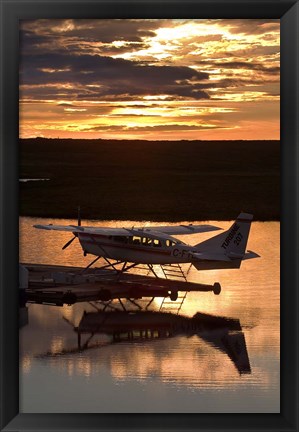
x: 68, y: 285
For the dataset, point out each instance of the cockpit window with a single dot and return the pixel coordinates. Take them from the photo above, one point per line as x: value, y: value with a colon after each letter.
x: 135, y: 240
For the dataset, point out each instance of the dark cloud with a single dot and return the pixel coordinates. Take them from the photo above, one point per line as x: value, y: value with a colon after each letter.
x: 149, y: 128
x: 43, y: 92
x: 73, y: 37
x: 111, y: 50
x: 243, y: 84
x: 248, y: 65
x: 145, y: 104
x: 115, y: 77
x: 67, y: 104
x: 103, y: 128
x: 251, y: 26
x: 103, y: 30
x: 134, y: 115
x: 172, y: 127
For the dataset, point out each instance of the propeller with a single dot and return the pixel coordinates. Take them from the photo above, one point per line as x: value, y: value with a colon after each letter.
x: 69, y: 242
x: 79, y: 224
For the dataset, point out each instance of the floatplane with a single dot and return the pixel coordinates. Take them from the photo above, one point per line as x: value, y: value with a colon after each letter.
x: 132, y: 247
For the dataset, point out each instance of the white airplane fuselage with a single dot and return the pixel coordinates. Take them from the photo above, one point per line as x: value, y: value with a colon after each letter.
x: 133, y: 249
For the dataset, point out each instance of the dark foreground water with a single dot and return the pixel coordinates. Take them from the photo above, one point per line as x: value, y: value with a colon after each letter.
x: 194, y: 369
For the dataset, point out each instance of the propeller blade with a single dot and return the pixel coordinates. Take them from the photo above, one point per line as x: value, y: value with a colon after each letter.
x: 68, y: 243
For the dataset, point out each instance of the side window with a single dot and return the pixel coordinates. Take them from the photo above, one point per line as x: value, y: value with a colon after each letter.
x: 156, y: 242
x: 146, y: 241
x: 170, y: 243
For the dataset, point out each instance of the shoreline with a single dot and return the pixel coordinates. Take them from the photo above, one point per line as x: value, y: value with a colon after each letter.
x: 143, y: 219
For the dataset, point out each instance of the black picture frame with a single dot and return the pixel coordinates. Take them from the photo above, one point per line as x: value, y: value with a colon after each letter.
x: 14, y: 10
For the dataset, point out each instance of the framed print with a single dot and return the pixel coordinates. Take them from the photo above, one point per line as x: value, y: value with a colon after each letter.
x: 149, y: 215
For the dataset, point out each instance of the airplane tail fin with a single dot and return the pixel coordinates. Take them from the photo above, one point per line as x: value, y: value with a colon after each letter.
x: 231, y: 243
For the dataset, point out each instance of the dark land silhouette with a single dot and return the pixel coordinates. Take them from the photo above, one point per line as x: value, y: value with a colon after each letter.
x: 150, y: 180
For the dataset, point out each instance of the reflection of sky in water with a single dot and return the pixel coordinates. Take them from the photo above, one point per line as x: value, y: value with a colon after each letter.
x: 33, y: 180
x: 180, y: 374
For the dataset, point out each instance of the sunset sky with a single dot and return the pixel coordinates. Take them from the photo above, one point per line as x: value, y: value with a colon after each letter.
x: 150, y: 79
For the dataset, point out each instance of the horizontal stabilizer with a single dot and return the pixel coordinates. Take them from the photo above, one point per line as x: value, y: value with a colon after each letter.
x: 250, y: 255
x: 211, y: 256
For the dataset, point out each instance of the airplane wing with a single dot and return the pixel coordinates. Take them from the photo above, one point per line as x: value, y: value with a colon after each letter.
x: 70, y: 228
x: 183, y: 229
x: 75, y: 229
x: 150, y: 231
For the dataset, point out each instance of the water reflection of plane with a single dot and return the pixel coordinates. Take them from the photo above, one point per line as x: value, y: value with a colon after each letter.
x: 224, y: 334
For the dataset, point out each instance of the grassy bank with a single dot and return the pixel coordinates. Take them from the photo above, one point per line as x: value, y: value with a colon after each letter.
x: 191, y: 180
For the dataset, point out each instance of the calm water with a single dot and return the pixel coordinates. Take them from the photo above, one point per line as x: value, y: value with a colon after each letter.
x: 188, y: 373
